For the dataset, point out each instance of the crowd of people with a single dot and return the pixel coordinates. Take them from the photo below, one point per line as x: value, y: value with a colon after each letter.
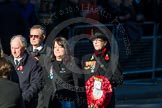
x: 35, y: 75
x: 47, y: 77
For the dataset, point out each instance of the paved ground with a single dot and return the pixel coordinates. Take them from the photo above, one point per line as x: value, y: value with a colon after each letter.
x: 139, y: 94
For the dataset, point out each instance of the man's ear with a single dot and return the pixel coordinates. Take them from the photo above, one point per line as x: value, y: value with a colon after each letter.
x: 43, y: 37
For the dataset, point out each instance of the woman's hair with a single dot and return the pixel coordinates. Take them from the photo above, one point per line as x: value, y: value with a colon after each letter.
x: 64, y: 43
x: 5, y: 68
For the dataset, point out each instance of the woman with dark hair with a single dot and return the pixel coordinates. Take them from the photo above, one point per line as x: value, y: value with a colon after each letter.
x: 63, y: 74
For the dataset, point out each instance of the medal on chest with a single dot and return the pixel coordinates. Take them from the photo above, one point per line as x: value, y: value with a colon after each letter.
x: 90, y: 65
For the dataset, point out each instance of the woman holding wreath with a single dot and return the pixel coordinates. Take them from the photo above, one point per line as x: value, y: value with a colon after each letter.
x: 100, y: 80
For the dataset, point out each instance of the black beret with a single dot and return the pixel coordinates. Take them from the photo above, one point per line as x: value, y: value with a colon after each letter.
x: 98, y: 35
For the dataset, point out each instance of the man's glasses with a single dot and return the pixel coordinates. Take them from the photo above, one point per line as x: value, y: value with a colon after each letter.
x: 35, y: 36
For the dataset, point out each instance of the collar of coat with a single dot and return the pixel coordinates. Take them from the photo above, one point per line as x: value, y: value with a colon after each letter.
x: 42, y: 51
x: 24, y: 58
x: 104, y: 53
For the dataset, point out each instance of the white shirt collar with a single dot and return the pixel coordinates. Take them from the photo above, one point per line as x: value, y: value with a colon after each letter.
x: 38, y: 48
x: 18, y: 59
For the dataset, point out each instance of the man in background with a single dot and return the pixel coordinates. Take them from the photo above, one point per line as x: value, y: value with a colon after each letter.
x: 40, y: 52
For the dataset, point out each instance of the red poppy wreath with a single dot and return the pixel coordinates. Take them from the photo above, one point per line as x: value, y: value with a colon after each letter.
x: 98, y: 91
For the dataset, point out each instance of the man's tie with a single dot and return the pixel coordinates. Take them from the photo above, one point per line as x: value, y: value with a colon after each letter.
x: 16, y: 62
x: 36, y: 52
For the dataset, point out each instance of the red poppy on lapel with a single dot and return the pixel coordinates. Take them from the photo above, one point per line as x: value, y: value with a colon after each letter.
x: 107, y: 57
x: 20, y: 68
x: 36, y: 57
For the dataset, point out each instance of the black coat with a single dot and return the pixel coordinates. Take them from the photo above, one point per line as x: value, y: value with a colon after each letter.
x: 100, y: 64
x: 113, y: 73
x: 64, y: 77
x: 10, y: 95
x: 29, y: 78
x: 41, y: 56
